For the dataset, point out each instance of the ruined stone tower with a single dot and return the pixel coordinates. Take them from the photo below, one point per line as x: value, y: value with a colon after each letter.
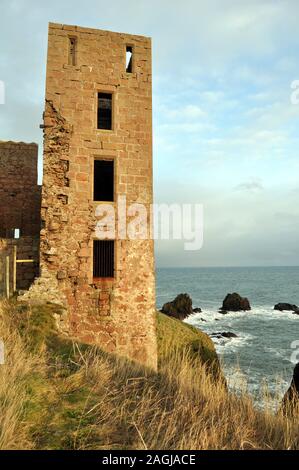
x: 98, y: 147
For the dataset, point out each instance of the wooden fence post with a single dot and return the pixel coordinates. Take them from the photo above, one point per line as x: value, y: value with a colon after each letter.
x: 7, y: 276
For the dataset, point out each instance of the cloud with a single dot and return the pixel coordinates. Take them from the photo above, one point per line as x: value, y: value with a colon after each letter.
x: 238, y: 230
x: 192, y: 112
x: 253, y: 185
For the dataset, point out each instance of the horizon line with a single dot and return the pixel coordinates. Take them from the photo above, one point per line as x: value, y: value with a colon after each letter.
x: 227, y: 266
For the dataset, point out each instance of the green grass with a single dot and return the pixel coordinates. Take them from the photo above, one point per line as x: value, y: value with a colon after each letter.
x: 175, y: 336
x: 35, y: 323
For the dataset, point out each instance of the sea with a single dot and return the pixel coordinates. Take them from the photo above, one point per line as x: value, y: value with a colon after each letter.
x: 266, y: 348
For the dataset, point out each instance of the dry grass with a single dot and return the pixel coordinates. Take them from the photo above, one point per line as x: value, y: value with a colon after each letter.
x: 17, y: 376
x: 181, y: 408
x: 97, y: 401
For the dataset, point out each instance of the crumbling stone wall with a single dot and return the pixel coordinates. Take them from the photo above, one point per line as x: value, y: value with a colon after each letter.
x: 19, y: 192
x: 117, y: 314
x: 20, y: 199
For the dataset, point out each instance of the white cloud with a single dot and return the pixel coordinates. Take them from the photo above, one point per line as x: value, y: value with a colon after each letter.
x: 191, y: 111
x: 253, y: 185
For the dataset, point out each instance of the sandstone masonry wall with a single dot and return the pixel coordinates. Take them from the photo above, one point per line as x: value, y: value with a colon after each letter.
x: 115, y: 313
x: 19, y: 192
x: 20, y: 199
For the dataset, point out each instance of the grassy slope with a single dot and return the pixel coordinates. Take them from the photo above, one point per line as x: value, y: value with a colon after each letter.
x: 174, y: 334
x: 58, y: 395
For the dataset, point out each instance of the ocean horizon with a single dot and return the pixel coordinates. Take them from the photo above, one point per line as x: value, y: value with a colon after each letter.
x: 264, y: 351
x: 234, y: 266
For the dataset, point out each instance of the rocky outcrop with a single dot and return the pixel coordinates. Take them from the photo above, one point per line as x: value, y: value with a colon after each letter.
x: 285, y: 306
x: 291, y: 397
x: 180, y: 307
x: 197, y: 310
x: 224, y: 334
x: 235, y: 303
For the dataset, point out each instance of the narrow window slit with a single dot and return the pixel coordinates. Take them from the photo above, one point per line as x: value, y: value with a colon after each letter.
x: 105, y: 111
x: 129, y: 59
x: 72, y: 51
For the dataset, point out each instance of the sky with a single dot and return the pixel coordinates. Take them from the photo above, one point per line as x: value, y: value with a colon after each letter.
x: 226, y: 133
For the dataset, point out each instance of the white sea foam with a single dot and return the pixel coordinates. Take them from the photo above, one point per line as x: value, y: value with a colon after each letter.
x: 232, y: 344
x: 211, y: 326
x: 267, y: 312
x: 281, y: 353
x: 234, y: 322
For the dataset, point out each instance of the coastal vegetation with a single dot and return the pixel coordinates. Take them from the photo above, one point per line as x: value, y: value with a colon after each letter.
x: 59, y: 394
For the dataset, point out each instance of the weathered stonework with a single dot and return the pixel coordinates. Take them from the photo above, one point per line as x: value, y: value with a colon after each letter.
x: 20, y: 198
x: 115, y: 313
x: 19, y: 192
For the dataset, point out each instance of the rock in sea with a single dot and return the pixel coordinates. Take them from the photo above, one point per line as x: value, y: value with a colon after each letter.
x: 197, y: 310
x: 285, y: 306
x: 224, y: 334
x: 235, y: 303
x: 180, y: 307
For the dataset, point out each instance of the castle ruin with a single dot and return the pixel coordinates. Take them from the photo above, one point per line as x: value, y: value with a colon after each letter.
x: 97, y: 147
